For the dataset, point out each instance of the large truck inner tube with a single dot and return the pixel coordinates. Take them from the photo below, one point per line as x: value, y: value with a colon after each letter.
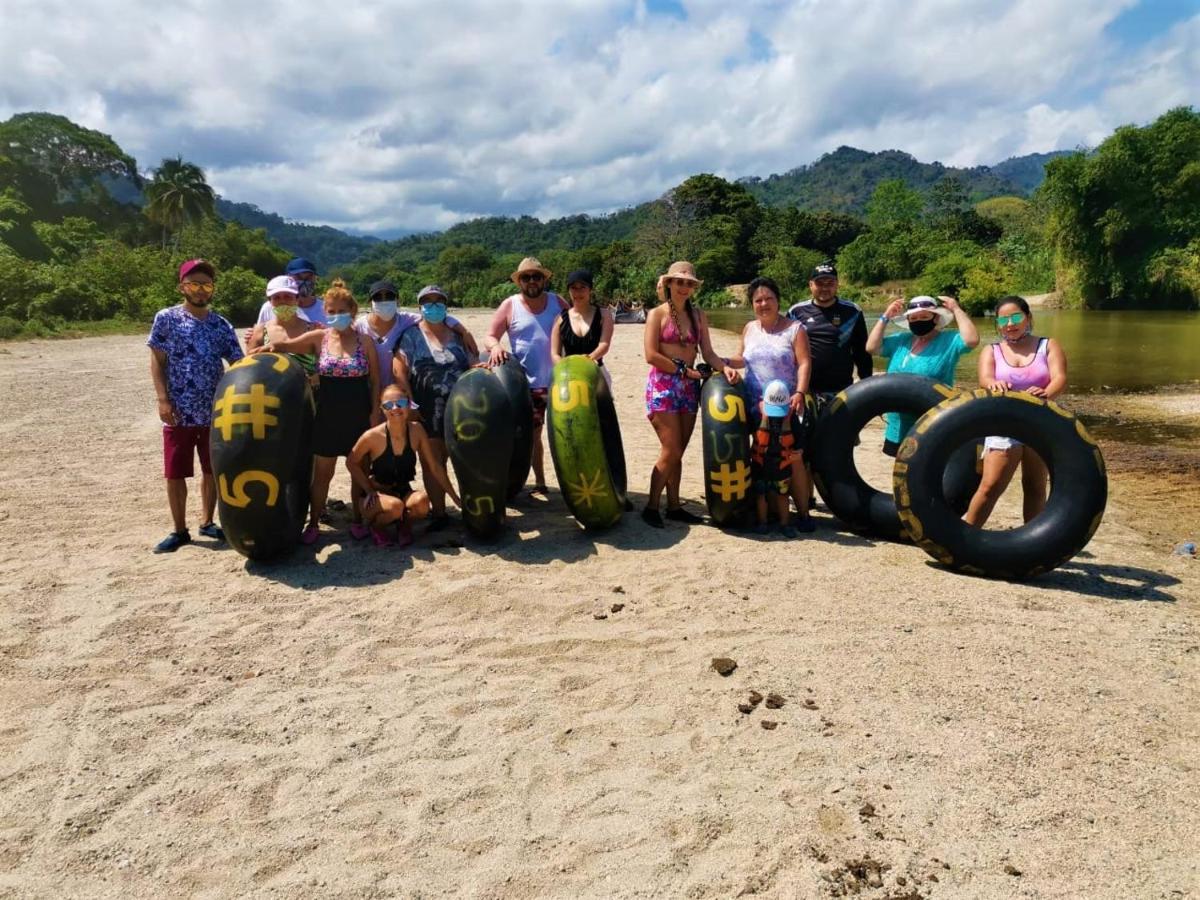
x: 261, y: 440
x: 725, y: 433
x: 479, y: 437
x: 512, y: 376
x: 1078, y: 493
x: 831, y: 452
x: 585, y: 442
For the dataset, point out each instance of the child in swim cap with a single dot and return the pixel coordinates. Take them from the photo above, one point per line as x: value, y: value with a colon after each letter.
x: 771, y: 458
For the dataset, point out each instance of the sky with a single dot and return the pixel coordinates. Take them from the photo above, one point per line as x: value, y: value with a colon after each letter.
x: 379, y: 116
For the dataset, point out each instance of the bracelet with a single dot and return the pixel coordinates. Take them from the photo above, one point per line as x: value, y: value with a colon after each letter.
x: 680, y: 366
x: 884, y: 319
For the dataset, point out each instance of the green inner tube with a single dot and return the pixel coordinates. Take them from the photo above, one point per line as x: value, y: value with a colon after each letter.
x: 1078, y: 494
x: 260, y: 440
x: 585, y: 442
x: 479, y: 432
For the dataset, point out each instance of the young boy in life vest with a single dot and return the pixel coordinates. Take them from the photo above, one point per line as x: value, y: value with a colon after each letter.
x: 771, y: 458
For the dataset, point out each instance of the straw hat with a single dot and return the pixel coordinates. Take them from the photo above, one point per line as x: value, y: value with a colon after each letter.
x: 530, y: 264
x: 682, y: 270
x: 942, y: 316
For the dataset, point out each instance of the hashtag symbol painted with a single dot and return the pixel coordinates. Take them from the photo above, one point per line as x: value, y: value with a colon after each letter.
x: 731, y: 482
x: 253, y: 413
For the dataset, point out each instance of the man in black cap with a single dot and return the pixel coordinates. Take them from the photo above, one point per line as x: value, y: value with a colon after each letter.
x: 837, y: 334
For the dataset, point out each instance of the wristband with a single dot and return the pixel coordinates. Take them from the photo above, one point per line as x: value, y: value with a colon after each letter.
x: 884, y: 319
x: 680, y: 366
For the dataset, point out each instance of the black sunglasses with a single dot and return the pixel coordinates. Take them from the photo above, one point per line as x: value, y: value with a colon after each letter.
x: 533, y: 276
x: 384, y: 297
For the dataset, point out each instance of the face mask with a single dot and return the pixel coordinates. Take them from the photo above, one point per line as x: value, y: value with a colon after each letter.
x: 285, y: 313
x: 306, y: 288
x: 433, y: 312
x: 922, y: 326
x: 385, y: 309
x: 341, y: 321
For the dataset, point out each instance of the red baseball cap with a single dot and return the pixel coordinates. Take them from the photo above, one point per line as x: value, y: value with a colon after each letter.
x: 193, y: 264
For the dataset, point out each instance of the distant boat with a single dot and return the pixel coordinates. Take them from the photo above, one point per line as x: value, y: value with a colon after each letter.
x: 629, y: 313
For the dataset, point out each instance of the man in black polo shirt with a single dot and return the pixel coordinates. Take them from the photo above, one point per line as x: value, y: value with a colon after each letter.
x: 837, y: 334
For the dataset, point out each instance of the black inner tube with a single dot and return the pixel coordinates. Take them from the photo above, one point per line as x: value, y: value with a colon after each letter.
x: 842, y: 487
x: 1073, y: 510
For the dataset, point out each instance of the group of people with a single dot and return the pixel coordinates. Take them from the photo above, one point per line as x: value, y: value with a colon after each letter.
x: 381, y: 379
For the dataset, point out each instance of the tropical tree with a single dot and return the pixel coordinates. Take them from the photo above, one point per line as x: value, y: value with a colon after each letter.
x: 178, y: 194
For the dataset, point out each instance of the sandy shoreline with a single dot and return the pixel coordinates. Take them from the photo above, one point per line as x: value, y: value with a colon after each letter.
x: 455, y: 720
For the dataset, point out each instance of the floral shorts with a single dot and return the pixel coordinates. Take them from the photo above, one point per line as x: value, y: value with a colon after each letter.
x: 667, y: 392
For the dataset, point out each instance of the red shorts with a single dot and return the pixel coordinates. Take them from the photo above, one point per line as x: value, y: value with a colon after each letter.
x: 178, y: 443
x: 539, y: 395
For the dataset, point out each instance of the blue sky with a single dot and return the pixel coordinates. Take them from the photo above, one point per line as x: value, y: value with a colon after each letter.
x: 386, y: 115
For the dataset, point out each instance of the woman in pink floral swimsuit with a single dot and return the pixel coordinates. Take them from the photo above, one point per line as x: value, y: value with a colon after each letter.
x: 675, y: 333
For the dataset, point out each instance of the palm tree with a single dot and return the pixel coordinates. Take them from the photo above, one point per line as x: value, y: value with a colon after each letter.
x: 177, y: 194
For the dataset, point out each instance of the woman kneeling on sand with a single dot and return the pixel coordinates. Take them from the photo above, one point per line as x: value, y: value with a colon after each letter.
x: 383, y: 464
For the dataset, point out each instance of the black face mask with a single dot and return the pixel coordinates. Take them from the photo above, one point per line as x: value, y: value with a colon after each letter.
x: 922, y: 327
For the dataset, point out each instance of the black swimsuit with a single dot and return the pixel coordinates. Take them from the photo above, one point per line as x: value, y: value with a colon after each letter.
x: 573, y: 344
x: 393, y: 473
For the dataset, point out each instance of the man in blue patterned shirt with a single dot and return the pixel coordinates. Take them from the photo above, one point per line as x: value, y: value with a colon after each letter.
x: 187, y: 345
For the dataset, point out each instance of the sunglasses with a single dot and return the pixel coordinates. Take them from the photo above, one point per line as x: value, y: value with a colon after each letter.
x: 197, y: 287
x: 923, y: 304
x: 384, y: 298
x: 1014, y: 319
x: 401, y: 403
x: 533, y: 276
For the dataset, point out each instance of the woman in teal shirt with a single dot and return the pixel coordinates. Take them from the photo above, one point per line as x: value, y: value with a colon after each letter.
x: 926, y: 349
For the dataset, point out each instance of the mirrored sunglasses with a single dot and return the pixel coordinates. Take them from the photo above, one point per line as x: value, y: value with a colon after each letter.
x: 923, y: 304
x: 199, y: 287
x: 1014, y: 319
x: 398, y: 403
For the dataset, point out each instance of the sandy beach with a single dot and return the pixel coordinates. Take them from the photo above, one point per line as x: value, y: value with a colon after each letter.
x: 540, y: 718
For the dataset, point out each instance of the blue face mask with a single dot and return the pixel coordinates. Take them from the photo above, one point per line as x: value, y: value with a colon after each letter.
x: 433, y: 312
x: 341, y: 321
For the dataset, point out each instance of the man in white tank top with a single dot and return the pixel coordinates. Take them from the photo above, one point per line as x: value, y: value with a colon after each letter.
x: 528, y: 318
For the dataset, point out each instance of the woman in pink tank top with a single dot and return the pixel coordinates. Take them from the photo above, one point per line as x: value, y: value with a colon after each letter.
x: 1020, y: 361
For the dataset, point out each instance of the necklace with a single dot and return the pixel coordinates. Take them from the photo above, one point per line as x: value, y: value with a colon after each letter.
x: 678, y: 328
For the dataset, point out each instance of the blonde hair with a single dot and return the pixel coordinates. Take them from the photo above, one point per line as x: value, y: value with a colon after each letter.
x: 339, y: 291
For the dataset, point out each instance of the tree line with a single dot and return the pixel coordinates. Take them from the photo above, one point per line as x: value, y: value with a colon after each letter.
x: 84, y: 237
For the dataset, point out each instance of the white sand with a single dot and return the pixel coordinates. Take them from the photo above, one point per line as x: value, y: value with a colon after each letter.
x: 454, y: 721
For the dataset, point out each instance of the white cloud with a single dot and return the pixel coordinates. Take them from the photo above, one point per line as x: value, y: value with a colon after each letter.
x: 383, y: 115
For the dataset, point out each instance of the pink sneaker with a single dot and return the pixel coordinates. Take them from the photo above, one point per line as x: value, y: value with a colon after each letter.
x: 310, y: 535
x: 358, y: 530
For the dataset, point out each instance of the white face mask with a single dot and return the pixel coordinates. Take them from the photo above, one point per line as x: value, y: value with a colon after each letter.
x: 385, y: 309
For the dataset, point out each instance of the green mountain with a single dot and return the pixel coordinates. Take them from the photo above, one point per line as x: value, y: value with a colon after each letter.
x: 1029, y: 171
x: 325, y: 246
x: 842, y: 181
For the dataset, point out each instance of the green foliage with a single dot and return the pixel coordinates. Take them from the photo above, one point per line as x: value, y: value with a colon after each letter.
x: 894, y: 205
x: 790, y: 267
x: 326, y: 247
x: 976, y: 277
x: 1122, y: 217
x: 177, y: 195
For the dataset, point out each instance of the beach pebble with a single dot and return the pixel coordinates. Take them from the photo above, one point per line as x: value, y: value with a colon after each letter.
x: 723, y: 665
x: 618, y: 590
x: 599, y: 614
x: 769, y: 725
x: 775, y: 701
x: 746, y: 708
x: 617, y: 607
x: 1010, y: 869
x: 756, y: 698
x: 809, y: 703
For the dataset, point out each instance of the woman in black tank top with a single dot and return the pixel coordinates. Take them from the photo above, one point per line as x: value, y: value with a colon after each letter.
x: 383, y: 464
x: 596, y: 323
